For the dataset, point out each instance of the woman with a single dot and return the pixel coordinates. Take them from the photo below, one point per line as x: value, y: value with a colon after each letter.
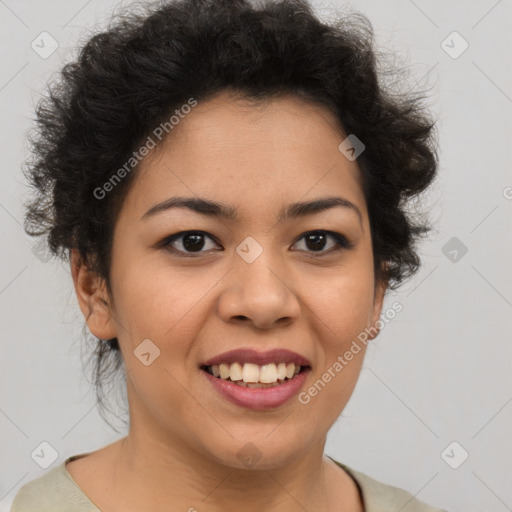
x: 229, y: 184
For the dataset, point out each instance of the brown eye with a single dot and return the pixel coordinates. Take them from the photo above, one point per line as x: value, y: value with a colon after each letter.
x: 316, y: 241
x: 192, y: 243
x: 187, y: 242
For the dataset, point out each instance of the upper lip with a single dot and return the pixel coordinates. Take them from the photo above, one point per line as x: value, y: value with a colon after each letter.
x: 248, y: 355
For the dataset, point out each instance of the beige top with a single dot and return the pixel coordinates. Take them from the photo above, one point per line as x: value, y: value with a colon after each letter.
x: 56, y: 491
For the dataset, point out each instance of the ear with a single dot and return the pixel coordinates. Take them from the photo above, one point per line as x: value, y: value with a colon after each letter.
x: 378, y: 300
x: 92, y: 298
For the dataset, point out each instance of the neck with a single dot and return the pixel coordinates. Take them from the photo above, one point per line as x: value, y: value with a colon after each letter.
x: 153, y: 474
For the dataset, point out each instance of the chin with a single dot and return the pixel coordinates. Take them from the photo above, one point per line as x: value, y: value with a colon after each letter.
x: 259, y: 453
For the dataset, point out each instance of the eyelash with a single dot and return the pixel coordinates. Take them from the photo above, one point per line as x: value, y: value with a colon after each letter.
x: 342, y: 242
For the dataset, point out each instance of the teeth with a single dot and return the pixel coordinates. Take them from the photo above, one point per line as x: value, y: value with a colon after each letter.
x: 235, y: 371
x: 268, y: 373
x: 252, y: 375
x: 251, y: 372
x: 281, y: 371
x: 224, y: 371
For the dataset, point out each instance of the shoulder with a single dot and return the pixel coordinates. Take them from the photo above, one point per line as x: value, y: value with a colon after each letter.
x: 381, y: 497
x: 55, y: 491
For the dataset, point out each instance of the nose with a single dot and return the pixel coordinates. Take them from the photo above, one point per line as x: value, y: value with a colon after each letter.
x: 260, y: 293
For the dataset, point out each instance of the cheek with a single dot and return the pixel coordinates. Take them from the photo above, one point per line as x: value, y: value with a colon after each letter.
x: 159, y: 394
x: 347, y: 319
x: 162, y: 305
x: 345, y: 305
x: 327, y: 394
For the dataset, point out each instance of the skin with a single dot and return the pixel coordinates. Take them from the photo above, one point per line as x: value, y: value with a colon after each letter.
x: 184, y: 437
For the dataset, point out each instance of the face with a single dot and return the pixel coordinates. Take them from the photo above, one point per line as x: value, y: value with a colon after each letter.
x: 261, y: 281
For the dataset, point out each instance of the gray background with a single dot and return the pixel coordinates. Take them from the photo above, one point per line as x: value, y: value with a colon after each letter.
x: 438, y: 373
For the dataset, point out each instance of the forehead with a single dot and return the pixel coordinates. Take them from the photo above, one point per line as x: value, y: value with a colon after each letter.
x: 272, y: 124
x: 249, y: 153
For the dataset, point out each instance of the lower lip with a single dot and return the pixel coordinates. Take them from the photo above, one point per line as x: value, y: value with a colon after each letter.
x: 259, y: 398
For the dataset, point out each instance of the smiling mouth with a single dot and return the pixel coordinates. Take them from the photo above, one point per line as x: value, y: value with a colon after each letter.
x: 251, y: 375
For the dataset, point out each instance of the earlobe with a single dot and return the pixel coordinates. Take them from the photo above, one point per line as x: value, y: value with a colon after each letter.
x: 92, y: 298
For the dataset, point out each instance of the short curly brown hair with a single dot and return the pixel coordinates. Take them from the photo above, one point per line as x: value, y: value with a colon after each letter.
x: 133, y: 76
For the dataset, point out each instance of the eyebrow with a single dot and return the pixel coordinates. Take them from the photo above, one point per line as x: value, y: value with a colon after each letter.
x: 220, y: 210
